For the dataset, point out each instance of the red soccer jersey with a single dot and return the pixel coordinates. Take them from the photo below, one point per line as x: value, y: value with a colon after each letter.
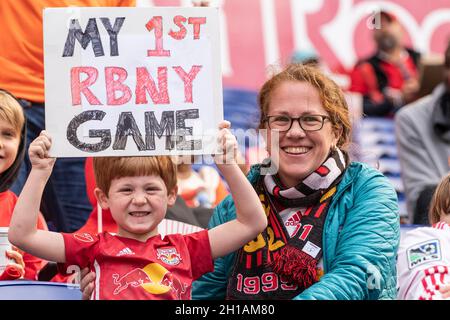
x: 364, y: 79
x: 128, y: 269
x: 8, y: 201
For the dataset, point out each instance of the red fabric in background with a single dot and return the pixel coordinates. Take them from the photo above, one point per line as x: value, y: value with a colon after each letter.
x: 91, y: 225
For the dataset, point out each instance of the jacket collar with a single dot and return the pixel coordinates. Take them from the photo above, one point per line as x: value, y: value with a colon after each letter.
x: 347, y: 179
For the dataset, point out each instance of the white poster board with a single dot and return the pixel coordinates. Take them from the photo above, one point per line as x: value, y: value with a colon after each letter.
x: 132, y: 81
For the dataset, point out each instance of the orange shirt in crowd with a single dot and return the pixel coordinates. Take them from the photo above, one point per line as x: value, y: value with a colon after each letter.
x: 8, y: 201
x: 21, y: 39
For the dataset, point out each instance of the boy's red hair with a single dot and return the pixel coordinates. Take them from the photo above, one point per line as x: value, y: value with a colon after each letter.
x: 108, y: 168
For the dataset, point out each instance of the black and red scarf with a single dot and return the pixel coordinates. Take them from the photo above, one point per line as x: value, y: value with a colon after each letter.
x: 282, y: 261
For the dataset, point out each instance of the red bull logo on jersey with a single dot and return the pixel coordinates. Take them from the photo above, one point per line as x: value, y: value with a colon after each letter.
x: 154, y: 279
x: 135, y: 278
x: 169, y: 256
x: 178, y: 288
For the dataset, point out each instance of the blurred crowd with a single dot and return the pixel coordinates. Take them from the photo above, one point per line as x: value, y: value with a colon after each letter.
x: 386, y: 86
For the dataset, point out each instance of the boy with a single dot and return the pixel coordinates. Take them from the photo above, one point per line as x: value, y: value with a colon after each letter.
x: 136, y: 263
x: 12, y: 147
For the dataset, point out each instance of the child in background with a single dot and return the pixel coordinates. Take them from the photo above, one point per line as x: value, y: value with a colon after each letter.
x: 423, y: 263
x: 137, y: 263
x: 12, y: 149
x: 204, y: 188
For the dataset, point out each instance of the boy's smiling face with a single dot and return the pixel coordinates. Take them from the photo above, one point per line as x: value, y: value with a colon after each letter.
x: 9, y: 145
x: 137, y: 204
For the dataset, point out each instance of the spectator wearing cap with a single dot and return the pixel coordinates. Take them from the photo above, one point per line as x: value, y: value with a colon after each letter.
x: 388, y: 79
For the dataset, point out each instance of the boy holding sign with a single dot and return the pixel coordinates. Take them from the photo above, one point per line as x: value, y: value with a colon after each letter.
x: 138, y: 192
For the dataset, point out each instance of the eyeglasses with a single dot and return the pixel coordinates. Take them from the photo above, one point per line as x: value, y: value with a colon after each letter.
x: 310, y: 122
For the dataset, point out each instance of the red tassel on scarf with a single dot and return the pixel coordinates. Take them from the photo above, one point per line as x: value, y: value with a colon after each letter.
x: 295, y: 266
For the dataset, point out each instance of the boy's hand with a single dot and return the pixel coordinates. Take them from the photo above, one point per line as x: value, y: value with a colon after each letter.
x: 227, y: 145
x: 87, y: 283
x: 38, y: 153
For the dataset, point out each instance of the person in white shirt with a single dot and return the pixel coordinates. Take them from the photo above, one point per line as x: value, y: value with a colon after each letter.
x: 423, y: 264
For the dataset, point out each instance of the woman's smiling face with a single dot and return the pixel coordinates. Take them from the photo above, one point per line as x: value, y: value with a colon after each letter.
x: 300, y: 152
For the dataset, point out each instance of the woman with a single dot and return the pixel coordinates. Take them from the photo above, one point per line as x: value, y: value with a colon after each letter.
x: 333, y: 226
x: 344, y: 214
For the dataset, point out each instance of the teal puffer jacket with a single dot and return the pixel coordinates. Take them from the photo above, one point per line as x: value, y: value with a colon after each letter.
x: 360, y: 241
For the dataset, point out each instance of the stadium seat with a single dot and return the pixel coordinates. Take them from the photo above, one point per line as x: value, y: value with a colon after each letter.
x: 38, y: 290
x: 378, y: 148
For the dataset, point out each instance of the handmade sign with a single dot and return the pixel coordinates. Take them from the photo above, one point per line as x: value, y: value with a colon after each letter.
x: 132, y: 81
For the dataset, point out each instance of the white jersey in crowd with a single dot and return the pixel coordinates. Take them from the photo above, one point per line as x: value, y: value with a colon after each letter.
x: 423, y: 262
